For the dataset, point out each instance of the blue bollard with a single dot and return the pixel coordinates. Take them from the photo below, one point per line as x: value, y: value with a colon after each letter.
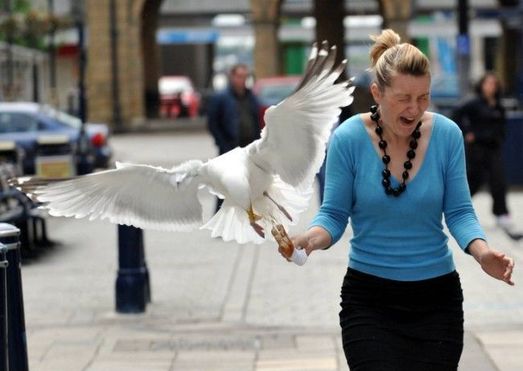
x: 132, y: 283
x: 17, y: 340
x: 4, y: 347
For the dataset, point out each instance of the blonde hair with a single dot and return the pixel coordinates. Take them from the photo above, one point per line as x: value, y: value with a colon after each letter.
x: 389, y: 56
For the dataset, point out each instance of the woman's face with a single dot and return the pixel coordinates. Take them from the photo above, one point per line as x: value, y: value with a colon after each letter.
x: 403, y: 103
x: 489, y: 86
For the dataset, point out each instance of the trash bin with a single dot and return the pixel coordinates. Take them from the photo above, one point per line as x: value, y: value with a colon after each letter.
x: 13, y: 335
x: 512, y: 150
x: 54, y: 157
x: 4, y: 324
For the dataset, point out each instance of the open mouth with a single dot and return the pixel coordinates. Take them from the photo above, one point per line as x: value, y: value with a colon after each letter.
x: 407, y: 121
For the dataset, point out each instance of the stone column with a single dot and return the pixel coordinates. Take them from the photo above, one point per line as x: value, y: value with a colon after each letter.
x: 396, y: 15
x: 98, y: 62
x: 131, y: 75
x: 266, y: 22
x: 329, y: 25
x: 130, y: 72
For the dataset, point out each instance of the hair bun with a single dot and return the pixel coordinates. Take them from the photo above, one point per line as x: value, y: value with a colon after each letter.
x: 387, y: 39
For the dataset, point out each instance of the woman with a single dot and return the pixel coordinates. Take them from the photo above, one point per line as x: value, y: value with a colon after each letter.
x: 482, y: 120
x: 395, y: 171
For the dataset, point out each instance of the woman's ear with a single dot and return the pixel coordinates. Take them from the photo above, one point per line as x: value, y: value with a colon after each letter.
x: 376, y: 92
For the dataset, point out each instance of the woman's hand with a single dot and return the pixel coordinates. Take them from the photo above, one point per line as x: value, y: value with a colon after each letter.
x: 495, y: 263
x: 297, y: 242
x: 313, y: 239
x: 301, y: 241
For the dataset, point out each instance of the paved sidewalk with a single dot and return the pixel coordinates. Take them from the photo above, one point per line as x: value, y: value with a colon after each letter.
x: 221, y: 306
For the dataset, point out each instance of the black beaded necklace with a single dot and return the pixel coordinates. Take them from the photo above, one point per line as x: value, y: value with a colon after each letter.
x: 411, y: 153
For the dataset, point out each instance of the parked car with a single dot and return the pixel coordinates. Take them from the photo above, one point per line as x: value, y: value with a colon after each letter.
x: 178, y: 98
x: 272, y: 90
x: 36, y: 128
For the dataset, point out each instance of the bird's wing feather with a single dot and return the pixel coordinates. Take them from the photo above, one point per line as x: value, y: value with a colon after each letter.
x: 139, y: 195
x: 297, y: 129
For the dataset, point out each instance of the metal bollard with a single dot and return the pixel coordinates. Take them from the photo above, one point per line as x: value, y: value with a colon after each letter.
x: 132, y: 283
x: 4, y: 347
x: 16, y: 334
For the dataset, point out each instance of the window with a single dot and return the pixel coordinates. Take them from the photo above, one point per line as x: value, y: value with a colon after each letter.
x: 62, y: 117
x: 15, y: 122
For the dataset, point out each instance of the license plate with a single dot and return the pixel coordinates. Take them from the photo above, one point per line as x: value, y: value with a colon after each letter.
x: 55, y: 166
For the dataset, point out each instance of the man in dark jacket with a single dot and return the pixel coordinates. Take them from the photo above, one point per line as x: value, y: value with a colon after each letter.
x: 233, y: 114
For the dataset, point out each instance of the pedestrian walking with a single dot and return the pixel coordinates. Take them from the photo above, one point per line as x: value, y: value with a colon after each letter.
x: 233, y: 116
x: 482, y: 120
x: 233, y: 113
x: 395, y: 172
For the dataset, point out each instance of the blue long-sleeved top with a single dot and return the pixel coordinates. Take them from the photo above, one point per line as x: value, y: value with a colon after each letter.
x: 399, y: 238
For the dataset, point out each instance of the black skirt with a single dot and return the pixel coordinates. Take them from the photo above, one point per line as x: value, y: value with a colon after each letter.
x: 392, y: 325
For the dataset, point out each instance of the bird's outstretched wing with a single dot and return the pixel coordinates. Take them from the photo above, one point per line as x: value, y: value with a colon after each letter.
x: 140, y: 195
x: 293, y: 141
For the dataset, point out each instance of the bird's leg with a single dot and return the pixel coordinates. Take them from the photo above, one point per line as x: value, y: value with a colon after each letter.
x: 252, y: 219
x: 281, y: 208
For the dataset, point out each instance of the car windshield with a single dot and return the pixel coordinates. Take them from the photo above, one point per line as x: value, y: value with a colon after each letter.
x: 65, y: 118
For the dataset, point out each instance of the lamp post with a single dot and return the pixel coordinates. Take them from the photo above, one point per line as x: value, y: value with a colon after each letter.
x: 463, y: 47
x: 33, y: 27
x: 85, y: 164
x: 519, y: 60
x: 77, y: 12
x: 117, y: 110
x: 9, y: 54
x: 52, y: 54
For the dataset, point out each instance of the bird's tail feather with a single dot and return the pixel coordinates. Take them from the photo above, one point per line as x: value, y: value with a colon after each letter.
x: 232, y: 223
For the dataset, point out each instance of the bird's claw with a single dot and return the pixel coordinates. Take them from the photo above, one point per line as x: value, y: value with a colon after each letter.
x: 253, y: 217
x: 258, y: 229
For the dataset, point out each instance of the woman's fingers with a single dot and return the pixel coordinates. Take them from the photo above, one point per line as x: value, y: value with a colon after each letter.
x: 508, y: 279
x: 507, y: 276
x: 505, y: 264
x: 499, y: 265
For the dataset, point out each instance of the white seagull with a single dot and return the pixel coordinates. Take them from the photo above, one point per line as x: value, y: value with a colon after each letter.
x: 267, y: 183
